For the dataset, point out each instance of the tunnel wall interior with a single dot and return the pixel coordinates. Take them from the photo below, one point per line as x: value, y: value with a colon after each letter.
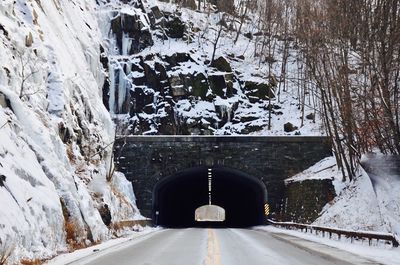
x: 178, y: 196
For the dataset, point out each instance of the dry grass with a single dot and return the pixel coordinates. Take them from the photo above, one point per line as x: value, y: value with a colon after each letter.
x: 3, y: 260
x: 5, y: 252
x: 70, y: 229
x: 72, y: 238
x: 31, y: 262
x: 70, y: 153
x: 129, y: 224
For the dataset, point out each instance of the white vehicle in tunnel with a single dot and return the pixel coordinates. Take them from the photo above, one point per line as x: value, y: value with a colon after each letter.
x: 210, y: 213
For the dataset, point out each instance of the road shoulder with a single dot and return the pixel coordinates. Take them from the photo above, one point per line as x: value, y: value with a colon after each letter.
x: 103, y: 248
x: 351, y: 253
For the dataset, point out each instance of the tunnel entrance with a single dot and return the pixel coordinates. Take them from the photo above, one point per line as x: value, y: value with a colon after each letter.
x: 176, y: 198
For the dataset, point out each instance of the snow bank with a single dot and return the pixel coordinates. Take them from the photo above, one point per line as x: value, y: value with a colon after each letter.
x: 356, y: 208
x: 384, y: 172
x: 379, y: 254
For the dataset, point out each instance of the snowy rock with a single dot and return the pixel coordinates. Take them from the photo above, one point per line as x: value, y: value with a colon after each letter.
x: 289, y: 127
x: 131, y: 32
x: 222, y: 65
x: 55, y: 152
x: 153, y: 82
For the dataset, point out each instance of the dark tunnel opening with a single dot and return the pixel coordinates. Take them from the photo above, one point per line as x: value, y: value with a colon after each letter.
x: 176, y: 198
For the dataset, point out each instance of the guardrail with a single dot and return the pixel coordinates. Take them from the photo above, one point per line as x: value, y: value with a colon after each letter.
x: 353, y: 235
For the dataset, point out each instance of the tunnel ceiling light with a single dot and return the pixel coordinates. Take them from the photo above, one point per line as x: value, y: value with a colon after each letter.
x: 209, y: 186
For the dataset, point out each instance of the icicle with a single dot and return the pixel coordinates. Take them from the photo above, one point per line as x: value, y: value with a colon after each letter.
x: 126, y: 44
x: 111, y: 100
x: 122, y: 90
x: 223, y: 111
x: 229, y: 113
x: 155, y: 96
x: 216, y: 125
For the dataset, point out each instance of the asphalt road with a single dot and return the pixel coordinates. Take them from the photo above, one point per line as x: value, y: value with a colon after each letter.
x: 223, y: 247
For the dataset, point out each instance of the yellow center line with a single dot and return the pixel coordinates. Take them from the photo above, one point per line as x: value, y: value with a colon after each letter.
x: 213, y: 251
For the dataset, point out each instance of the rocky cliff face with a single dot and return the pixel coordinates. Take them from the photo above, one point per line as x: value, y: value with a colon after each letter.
x: 56, y: 189
x: 163, y: 79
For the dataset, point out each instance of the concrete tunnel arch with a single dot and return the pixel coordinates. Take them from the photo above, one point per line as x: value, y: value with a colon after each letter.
x: 176, y: 197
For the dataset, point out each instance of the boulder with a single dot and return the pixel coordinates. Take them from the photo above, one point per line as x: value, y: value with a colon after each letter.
x: 162, y: 76
x: 176, y: 58
x: 310, y: 116
x: 105, y: 214
x: 156, y: 12
x: 250, y: 128
x: 200, y: 86
x: 130, y: 26
x: 175, y: 28
x: 189, y: 4
x: 259, y: 90
x: 140, y: 97
x: 243, y: 119
x: 249, y: 35
x: 217, y: 84
x: 222, y: 65
x: 289, y: 127
x: 177, y: 86
x: 152, y: 78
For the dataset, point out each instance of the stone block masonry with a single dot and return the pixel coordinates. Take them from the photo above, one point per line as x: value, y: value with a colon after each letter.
x: 145, y: 160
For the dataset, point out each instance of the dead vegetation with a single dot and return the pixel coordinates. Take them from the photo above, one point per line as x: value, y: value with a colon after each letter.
x: 129, y: 224
x: 31, y: 262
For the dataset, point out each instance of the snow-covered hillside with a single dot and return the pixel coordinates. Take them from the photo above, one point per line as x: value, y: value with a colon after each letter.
x: 369, y: 203
x: 55, y: 133
x: 163, y: 80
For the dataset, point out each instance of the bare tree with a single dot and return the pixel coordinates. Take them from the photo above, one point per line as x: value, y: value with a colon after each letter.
x: 29, y: 66
x: 218, y: 36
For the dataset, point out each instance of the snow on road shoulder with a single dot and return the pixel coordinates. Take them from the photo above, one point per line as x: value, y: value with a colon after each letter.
x: 104, y: 248
x: 381, y: 253
x: 356, y: 208
x: 384, y: 174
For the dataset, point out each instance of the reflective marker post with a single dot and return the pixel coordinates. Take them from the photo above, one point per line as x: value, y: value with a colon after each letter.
x: 266, y: 209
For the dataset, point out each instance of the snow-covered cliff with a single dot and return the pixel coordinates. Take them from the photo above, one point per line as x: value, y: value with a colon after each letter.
x: 56, y: 190
x: 176, y: 70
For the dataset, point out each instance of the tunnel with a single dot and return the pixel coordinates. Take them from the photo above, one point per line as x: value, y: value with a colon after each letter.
x: 176, y: 198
